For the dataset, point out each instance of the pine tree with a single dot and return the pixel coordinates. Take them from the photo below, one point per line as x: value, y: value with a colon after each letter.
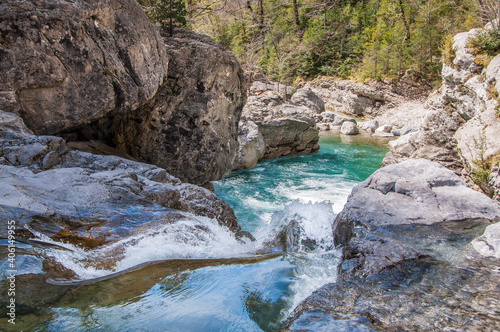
x: 170, y: 13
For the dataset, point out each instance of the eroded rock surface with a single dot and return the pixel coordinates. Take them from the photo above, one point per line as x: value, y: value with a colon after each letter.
x: 66, y: 64
x: 286, y: 127
x: 190, y: 126
x: 461, y: 126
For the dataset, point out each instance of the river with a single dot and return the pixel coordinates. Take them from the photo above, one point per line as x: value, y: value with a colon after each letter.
x: 220, y: 286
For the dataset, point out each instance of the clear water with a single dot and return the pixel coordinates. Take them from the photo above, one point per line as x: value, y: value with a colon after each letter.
x: 329, y: 175
x: 200, y: 291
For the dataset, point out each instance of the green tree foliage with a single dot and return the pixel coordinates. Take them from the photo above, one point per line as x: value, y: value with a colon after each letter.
x: 365, y: 39
x: 168, y: 13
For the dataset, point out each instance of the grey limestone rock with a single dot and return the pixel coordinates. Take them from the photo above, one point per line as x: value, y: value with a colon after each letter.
x: 66, y: 64
x: 190, y: 126
x: 349, y: 128
x: 287, y: 127
x: 251, y: 145
x: 369, y: 126
x: 306, y: 97
x: 488, y: 244
x: 416, y: 191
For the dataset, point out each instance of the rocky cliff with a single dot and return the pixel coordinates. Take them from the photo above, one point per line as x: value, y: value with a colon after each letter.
x: 461, y: 126
x: 100, y: 70
x: 65, y: 64
x: 190, y: 126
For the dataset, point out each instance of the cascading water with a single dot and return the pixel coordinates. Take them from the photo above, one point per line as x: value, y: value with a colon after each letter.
x: 195, y: 275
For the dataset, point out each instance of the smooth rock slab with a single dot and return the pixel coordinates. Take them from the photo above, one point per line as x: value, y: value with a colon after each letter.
x: 416, y: 191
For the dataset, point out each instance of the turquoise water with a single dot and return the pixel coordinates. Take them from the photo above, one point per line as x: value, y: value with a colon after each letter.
x: 233, y: 295
x: 329, y: 175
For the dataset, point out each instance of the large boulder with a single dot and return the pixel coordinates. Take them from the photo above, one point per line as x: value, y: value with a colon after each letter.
x: 417, y: 245
x: 65, y: 64
x: 284, y: 136
x: 306, y: 97
x: 349, y: 128
x: 416, y: 191
x: 190, y: 126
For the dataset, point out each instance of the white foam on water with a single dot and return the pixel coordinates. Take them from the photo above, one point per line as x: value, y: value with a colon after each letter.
x: 316, y: 261
x: 317, y: 190
x: 190, y: 237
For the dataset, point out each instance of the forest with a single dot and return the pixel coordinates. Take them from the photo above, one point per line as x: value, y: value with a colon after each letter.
x: 381, y: 40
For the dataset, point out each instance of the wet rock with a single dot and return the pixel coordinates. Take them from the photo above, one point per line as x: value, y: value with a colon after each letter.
x: 302, y: 228
x: 193, y: 119
x: 488, y: 244
x: 349, y: 128
x: 406, y: 268
x: 78, y: 188
x: 251, y: 145
x: 419, y: 295
x: 68, y: 64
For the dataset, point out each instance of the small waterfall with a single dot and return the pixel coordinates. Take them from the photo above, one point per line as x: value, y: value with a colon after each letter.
x: 185, y: 237
x: 305, y: 233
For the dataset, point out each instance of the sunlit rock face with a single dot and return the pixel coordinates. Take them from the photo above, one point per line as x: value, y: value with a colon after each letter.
x: 285, y: 119
x: 460, y: 125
